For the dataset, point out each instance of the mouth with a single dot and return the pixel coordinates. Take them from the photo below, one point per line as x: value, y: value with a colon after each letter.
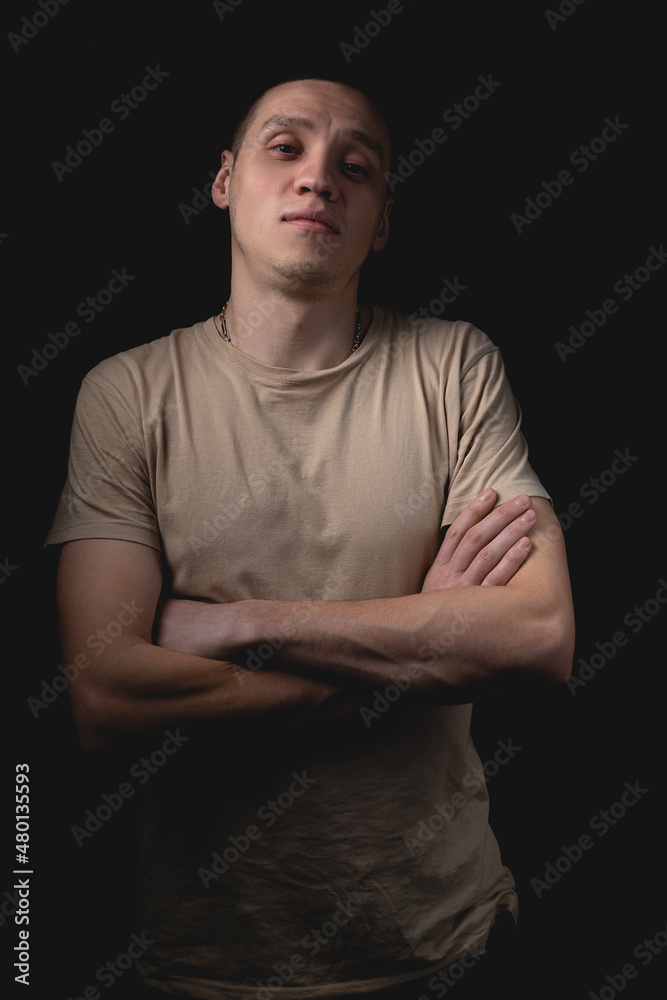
x: 319, y: 222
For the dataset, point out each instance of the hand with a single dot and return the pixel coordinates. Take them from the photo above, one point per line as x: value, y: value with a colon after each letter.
x: 483, y: 547
x: 331, y: 703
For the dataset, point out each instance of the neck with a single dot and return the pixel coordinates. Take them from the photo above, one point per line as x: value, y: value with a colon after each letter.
x: 283, y: 330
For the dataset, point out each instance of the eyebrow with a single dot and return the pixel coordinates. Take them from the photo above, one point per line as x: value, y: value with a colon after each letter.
x: 292, y: 121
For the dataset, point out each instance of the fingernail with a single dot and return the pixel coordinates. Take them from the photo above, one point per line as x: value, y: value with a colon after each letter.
x: 486, y: 495
x: 522, y: 500
x: 529, y: 516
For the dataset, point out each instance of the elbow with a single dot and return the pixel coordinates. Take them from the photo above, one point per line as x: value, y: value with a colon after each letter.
x: 538, y: 651
x: 554, y: 649
x: 556, y: 668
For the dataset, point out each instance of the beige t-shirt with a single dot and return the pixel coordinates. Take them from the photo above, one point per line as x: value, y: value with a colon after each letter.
x: 360, y: 856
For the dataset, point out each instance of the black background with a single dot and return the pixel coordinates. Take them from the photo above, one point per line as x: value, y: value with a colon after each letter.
x: 119, y: 208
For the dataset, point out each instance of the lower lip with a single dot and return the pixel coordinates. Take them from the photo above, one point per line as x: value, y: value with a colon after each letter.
x: 317, y: 227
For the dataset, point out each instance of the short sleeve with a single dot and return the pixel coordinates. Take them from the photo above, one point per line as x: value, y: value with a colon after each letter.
x: 490, y: 449
x: 108, y: 490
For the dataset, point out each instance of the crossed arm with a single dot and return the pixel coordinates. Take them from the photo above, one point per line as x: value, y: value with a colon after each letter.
x: 495, y: 606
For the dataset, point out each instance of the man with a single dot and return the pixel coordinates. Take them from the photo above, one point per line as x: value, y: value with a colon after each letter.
x: 264, y: 495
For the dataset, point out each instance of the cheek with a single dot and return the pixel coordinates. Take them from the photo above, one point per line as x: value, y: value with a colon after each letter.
x: 253, y: 203
x: 372, y: 216
x: 269, y: 194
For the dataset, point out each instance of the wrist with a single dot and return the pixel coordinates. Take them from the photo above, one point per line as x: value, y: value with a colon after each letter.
x: 222, y: 631
x: 260, y: 630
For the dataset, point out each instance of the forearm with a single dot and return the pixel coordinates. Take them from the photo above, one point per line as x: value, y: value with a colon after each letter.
x: 147, y: 688
x: 448, y: 643
x: 495, y: 608
x: 134, y: 683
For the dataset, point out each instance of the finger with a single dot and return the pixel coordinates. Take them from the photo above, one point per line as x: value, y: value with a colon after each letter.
x: 513, y: 559
x: 487, y: 534
x: 469, y: 516
x: 490, y: 556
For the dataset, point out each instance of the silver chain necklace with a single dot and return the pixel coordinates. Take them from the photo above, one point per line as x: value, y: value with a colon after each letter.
x: 358, y: 337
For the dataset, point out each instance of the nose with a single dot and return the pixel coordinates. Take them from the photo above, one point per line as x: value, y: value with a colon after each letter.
x: 317, y: 174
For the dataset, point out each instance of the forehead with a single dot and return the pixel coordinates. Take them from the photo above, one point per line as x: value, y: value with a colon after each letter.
x: 326, y: 104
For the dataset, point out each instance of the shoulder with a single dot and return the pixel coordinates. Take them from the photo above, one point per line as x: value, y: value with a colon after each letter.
x: 165, y: 351
x: 148, y: 369
x: 456, y: 344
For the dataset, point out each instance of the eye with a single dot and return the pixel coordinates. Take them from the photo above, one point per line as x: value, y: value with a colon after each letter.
x: 354, y: 168
x: 284, y: 147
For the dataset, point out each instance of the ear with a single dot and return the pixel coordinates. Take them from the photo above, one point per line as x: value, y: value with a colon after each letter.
x: 220, y: 186
x: 383, y: 229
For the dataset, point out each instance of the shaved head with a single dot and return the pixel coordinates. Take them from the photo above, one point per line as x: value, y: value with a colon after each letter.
x: 252, y: 113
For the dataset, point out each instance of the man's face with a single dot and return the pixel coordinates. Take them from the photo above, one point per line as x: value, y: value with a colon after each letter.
x: 307, y: 189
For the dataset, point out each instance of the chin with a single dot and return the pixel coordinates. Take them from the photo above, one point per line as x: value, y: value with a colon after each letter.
x: 305, y: 275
